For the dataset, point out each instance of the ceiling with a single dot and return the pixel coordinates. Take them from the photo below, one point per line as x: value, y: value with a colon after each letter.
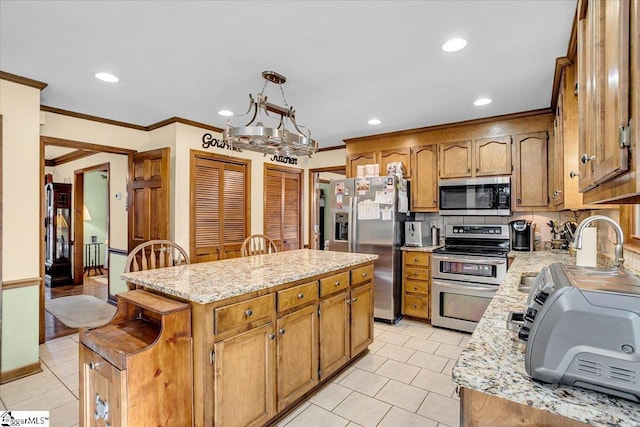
x: 345, y: 61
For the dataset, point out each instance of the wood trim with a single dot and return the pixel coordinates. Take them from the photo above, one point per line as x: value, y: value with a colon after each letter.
x: 69, y: 157
x: 24, y: 371
x: 561, y: 62
x: 512, y: 116
x: 41, y: 328
x: 313, y: 209
x: 90, y: 117
x: 335, y: 147
x: 184, y: 122
x: 572, y: 48
x: 1, y: 253
x: 68, y: 143
x: 14, y: 78
x: 21, y: 283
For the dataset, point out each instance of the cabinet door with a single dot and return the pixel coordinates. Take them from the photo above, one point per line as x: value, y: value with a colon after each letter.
x: 586, y: 102
x: 531, y: 170
x: 297, y: 354
x: 361, y: 318
x: 360, y: 159
x: 424, y: 183
x: 556, y: 161
x: 334, y: 333
x: 103, y: 391
x: 245, y: 378
x: 455, y: 159
x: 493, y: 156
x: 397, y: 155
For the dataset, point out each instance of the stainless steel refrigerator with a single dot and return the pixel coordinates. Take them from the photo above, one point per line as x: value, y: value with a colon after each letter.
x: 368, y: 217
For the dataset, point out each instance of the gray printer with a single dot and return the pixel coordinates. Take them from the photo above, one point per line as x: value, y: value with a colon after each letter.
x: 582, y: 327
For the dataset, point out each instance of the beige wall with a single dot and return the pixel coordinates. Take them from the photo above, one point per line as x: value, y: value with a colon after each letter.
x: 20, y: 108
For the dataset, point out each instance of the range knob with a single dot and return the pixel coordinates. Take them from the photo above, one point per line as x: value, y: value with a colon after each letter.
x: 540, y: 297
x: 524, y: 333
x: 531, y: 314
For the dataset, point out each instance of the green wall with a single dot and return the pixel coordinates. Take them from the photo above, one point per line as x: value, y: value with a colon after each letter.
x: 96, y: 200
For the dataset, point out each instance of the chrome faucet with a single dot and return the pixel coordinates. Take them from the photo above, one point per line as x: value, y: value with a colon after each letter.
x: 577, y: 238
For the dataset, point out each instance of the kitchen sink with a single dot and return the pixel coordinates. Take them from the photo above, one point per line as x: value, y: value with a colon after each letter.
x: 526, y: 281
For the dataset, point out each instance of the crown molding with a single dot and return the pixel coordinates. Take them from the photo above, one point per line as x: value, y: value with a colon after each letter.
x: 22, y: 80
x: 90, y: 117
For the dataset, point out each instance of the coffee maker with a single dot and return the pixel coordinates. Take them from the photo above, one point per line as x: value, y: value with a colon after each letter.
x: 522, y: 235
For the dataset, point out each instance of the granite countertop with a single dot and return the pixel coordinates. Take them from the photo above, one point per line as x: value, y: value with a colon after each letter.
x: 218, y: 280
x: 493, y: 361
x: 420, y: 249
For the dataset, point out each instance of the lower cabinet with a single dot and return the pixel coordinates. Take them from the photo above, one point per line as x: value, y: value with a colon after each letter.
x: 334, y: 332
x: 361, y: 318
x: 416, y: 284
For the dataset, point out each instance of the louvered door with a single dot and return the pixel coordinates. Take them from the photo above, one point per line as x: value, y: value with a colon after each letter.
x: 219, y: 207
x: 282, y: 206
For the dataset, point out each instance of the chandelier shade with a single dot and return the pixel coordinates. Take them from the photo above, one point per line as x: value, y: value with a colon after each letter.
x: 283, y: 137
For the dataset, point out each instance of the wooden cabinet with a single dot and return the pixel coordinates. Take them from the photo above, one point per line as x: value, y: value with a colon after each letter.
x: 136, y: 370
x: 480, y: 157
x: 382, y: 158
x: 334, y: 332
x: 57, y: 235
x: 424, y: 183
x: 361, y: 317
x: 416, y: 284
x: 530, y: 176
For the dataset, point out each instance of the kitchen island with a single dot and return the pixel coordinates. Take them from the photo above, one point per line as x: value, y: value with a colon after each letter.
x: 495, y: 387
x: 268, y: 329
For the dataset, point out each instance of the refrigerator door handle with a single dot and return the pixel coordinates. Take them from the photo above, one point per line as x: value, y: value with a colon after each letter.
x: 353, y: 233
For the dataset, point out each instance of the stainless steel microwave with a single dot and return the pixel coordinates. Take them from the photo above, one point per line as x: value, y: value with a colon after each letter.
x: 475, y: 196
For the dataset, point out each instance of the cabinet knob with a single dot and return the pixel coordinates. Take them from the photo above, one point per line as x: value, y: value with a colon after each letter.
x: 354, y: 299
x: 518, y: 200
x: 415, y: 260
x: 348, y: 301
x: 282, y: 331
x: 415, y: 288
x: 248, y: 312
x: 573, y: 174
x: 415, y: 273
x: 272, y: 336
x: 337, y: 283
x: 468, y: 169
x: 415, y: 305
x: 477, y: 169
x: 300, y: 295
x: 364, y: 274
x: 93, y: 365
x: 586, y: 158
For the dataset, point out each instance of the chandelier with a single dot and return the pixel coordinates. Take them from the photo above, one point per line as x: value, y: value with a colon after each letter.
x: 284, y: 137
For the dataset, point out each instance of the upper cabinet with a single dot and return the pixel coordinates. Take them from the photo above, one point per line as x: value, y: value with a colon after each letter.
x: 424, y: 187
x: 607, y: 74
x: 480, y: 157
x: 382, y: 158
x: 360, y: 159
x: 530, y: 177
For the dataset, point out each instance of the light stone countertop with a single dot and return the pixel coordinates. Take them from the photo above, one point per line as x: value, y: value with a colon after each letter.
x: 218, y: 280
x: 493, y: 361
x: 420, y: 249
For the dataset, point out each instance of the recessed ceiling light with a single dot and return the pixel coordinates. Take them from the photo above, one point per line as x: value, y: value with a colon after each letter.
x: 225, y: 113
x: 454, y: 45
x: 374, y: 122
x: 482, y: 101
x: 107, y: 77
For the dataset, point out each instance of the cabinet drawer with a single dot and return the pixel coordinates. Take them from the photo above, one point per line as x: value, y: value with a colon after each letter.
x: 416, y: 286
x: 243, y: 313
x: 361, y: 275
x: 298, y: 295
x: 416, y: 306
x: 417, y: 258
x: 416, y: 273
x: 331, y: 284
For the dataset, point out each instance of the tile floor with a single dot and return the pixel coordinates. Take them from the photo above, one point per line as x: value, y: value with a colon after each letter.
x: 405, y: 380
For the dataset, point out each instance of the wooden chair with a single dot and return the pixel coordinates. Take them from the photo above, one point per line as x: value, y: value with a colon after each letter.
x: 155, y: 254
x: 257, y: 244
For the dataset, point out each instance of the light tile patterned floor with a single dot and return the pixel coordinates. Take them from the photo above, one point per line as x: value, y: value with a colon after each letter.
x: 405, y: 380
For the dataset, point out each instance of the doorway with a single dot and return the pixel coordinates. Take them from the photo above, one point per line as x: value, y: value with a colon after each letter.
x: 320, y: 224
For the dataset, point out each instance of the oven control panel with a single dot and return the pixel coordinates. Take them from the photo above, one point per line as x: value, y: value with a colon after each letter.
x: 478, y: 231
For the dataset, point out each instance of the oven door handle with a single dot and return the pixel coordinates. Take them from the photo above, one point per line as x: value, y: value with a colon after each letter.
x: 469, y: 260
x: 465, y: 288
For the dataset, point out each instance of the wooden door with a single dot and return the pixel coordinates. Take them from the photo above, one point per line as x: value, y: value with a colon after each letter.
x: 283, y: 206
x: 493, y: 156
x: 148, y: 190
x: 531, y: 170
x: 102, y: 386
x: 220, y: 203
x: 361, y: 318
x: 360, y: 159
x: 396, y: 155
x: 424, y: 183
x: 613, y: 32
x: 297, y: 354
x: 455, y: 159
x: 334, y: 333
x: 245, y: 378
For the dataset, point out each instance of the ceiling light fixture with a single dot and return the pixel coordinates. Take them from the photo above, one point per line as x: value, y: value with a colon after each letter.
x: 454, y: 45
x: 225, y: 113
x: 482, y: 101
x: 278, y: 140
x: 107, y: 77
x: 374, y: 122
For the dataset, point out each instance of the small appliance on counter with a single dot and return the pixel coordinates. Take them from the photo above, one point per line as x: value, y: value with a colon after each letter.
x: 581, y: 327
x: 416, y: 234
x: 522, y: 235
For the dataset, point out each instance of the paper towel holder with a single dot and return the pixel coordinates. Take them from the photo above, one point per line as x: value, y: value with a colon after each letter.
x: 577, y: 238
